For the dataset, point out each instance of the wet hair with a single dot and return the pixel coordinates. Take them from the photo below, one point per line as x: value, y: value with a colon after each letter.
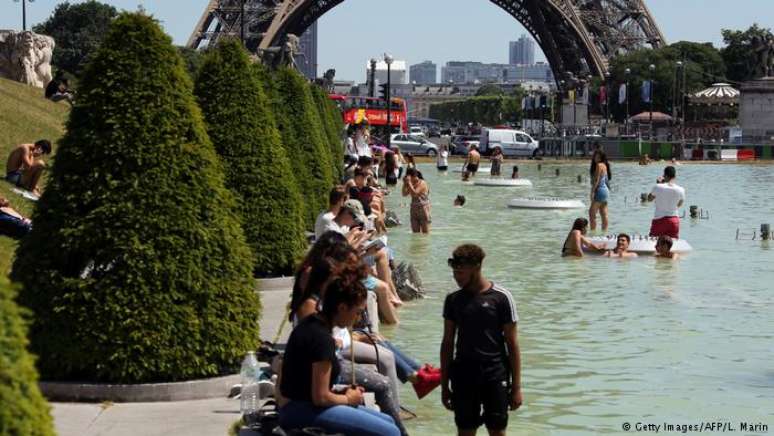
x: 412, y: 172
x: 580, y: 224
x: 336, y: 194
x: 670, y: 172
x: 469, y: 254
x: 460, y: 199
x: 44, y: 145
x: 665, y: 240
x: 344, y: 290
x: 625, y: 236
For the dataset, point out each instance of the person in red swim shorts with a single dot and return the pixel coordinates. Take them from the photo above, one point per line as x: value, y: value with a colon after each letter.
x: 669, y: 197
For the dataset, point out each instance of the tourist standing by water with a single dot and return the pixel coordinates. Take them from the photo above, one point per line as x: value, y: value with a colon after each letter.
x: 497, y: 161
x: 420, y: 201
x: 600, y: 189
x: 400, y: 159
x: 669, y: 197
x: 442, y: 160
x: 390, y: 169
x: 485, y: 368
x: 472, y: 161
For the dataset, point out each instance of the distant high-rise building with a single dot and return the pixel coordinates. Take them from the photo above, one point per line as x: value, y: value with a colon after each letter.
x: 522, y: 52
x: 397, y: 72
x: 477, y: 72
x: 306, y: 59
x: 423, y: 74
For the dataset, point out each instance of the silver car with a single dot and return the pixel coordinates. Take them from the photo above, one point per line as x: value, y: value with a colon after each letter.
x: 413, y: 144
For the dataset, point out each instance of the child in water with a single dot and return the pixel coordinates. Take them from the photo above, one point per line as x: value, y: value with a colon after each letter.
x: 664, y: 247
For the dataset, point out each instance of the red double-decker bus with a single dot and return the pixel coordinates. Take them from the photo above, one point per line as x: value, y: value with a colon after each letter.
x: 356, y: 109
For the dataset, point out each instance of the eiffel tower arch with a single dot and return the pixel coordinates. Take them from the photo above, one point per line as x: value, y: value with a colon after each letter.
x: 577, y: 36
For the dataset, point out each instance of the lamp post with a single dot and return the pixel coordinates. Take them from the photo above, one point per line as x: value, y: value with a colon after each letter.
x: 372, y: 82
x: 388, y: 60
x: 652, y: 69
x: 628, y: 73
x: 24, y: 12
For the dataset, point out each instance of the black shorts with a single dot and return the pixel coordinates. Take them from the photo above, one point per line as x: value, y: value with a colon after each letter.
x: 470, y: 393
x: 473, y: 168
x: 443, y: 168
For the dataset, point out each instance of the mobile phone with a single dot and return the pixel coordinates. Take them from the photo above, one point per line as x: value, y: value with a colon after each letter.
x: 377, y: 244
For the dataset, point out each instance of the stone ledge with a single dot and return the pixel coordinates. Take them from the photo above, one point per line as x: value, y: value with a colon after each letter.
x: 217, y: 387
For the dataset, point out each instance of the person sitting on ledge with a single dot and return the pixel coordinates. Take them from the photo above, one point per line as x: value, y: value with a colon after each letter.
x: 622, y: 247
x: 311, y: 368
x: 664, y: 247
x: 12, y: 223
x: 24, y: 167
x: 577, y: 241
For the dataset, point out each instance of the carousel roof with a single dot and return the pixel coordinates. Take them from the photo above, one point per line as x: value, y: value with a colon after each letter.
x: 718, y: 93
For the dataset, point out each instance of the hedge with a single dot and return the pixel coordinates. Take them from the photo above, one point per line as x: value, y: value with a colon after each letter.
x: 24, y: 411
x: 303, y: 138
x: 489, y: 110
x: 330, y: 117
x: 137, y: 269
x: 242, y: 127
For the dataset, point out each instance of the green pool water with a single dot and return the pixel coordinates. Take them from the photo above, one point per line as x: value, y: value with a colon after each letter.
x: 606, y: 342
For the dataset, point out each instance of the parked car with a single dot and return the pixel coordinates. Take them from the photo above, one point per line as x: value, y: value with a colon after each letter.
x: 460, y: 144
x: 414, y: 144
x: 433, y: 132
x: 511, y: 142
x: 418, y: 131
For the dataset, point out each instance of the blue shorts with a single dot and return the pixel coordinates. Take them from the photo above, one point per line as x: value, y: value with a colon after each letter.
x: 14, y: 177
x: 370, y: 283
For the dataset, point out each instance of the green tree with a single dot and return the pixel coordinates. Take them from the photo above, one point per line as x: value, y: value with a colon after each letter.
x: 489, y: 90
x: 303, y: 137
x: 487, y: 110
x: 193, y: 59
x: 137, y: 269
x: 330, y: 117
x: 242, y: 127
x: 78, y: 30
x: 739, y: 54
x: 24, y: 411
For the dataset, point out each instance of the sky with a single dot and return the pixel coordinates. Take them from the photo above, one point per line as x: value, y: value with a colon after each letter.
x: 436, y: 30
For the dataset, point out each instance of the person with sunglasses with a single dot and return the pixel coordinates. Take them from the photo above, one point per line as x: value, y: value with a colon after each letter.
x: 485, y: 367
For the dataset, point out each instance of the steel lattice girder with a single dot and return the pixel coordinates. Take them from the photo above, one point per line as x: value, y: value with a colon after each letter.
x: 577, y: 36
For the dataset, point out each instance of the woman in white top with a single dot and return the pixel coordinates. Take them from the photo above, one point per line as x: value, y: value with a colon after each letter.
x: 442, y: 160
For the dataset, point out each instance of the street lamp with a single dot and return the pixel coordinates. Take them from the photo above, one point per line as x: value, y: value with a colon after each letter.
x: 388, y: 60
x: 24, y: 12
x: 652, y: 69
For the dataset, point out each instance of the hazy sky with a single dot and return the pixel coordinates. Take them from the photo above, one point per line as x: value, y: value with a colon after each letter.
x: 437, y: 30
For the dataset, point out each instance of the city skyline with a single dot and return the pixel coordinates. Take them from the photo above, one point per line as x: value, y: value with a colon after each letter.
x: 469, y: 31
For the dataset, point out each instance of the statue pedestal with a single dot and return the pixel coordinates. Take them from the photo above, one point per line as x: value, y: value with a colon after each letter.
x: 756, y: 110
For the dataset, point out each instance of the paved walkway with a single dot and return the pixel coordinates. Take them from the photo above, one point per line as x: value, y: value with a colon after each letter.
x: 189, y: 418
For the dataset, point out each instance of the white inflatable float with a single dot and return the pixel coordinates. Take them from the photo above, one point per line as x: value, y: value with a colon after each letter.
x: 481, y: 170
x: 501, y: 182
x: 545, y: 203
x: 642, y: 244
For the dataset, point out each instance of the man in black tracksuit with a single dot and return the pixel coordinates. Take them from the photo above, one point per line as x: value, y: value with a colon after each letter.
x: 485, y: 368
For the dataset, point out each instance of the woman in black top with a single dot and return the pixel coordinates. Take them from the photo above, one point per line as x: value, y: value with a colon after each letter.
x: 310, y: 369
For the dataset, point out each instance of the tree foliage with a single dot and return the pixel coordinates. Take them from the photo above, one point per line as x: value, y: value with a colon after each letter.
x: 739, y: 54
x: 24, y: 411
x: 489, y: 110
x: 137, y: 269
x: 303, y: 138
x: 78, y: 30
x: 703, y: 67
x: 489, y: 90
x: 242, y: 127
x: 330, y: 117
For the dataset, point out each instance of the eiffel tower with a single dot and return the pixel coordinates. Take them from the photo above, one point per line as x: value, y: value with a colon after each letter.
x: 580, y: 37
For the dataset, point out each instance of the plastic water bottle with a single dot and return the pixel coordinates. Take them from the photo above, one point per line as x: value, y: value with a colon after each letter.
x: 249, y: 396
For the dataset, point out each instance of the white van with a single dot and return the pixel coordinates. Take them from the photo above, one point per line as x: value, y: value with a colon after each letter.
x: 512, y: 142
x: 417, y: 131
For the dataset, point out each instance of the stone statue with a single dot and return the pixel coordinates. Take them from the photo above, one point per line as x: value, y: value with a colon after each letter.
x: 283, y: 55
x: 328, y: 79
x: 26, y: 57
x: 763, y: 48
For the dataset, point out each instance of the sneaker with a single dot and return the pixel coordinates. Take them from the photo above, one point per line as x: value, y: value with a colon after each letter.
x: 427, y: 380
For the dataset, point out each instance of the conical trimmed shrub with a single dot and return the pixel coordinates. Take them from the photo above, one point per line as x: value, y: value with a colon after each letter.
x: 242, y: 127
x: 330, y: 117
x: 304, y: 139
x: 137, y: 269
x: 23, y: 410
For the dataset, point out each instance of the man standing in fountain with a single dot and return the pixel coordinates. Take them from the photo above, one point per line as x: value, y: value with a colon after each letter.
x: 485, y: 368
x: 669, y: 197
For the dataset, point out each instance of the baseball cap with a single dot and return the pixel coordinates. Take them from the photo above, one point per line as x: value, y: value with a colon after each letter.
x: 356, y: 209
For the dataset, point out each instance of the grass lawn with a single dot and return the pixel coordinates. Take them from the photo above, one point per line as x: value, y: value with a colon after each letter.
x: 25, y: 117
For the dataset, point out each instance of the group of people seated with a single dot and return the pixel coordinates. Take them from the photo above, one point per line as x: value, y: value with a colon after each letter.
x: 577, y: 243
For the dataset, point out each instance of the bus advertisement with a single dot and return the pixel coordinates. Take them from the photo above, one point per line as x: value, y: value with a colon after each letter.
x: 357, y: 109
